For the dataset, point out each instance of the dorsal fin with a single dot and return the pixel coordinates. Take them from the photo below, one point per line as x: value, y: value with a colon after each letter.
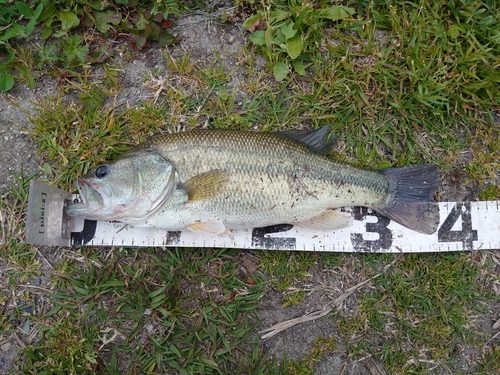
x: 316, y: 140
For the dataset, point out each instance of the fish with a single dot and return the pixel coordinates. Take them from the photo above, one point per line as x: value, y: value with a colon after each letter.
x: 214, y: 181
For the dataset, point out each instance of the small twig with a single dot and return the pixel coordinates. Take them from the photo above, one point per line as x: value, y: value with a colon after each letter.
x: 273, y: 330
x: 35, y: 287
x: 44, y: 258
x: 492, y: 338
x: 106, y: 341
x: 19, y: 341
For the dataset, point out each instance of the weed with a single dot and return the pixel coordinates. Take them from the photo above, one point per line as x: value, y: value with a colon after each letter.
x: 427, y: 299
x: 400, y: 83
x: 139, y: 22
x: 286, y: 270
x: 74, y: 138
x: 20, y: 257
x: 190, y: 311
x: 287, y: 33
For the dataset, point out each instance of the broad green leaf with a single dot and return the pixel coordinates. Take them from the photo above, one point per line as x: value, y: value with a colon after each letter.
x: 268, y: 36
x: 47, y: 168
x: 68, y: 19
x: 49, y: 11
x: 278, y: 15
x: 288, y: 30
x: 299, y: 67
x: 15, y: 30
x: 140, y: 23
x: 258, y: 37
x: 279, y: 39
x: 24, y: 9
x: 453, y: 31
x: 280, y: 70
x: 38, y: 11
x: 33, y: 21
x: 251, y: 20
x: 294, y: 46
x: 140, y: 41
x: 6, y: 82
x: 30, y: 26
x: 46, y: 32
x: 166, y: 39
x: 104, y: 20
x: 335, y: 13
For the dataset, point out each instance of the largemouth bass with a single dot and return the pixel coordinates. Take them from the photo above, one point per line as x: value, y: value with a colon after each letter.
x: 210, y: 181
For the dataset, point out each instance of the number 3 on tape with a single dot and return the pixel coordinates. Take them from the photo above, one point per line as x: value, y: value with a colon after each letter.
x: 384, y: 241
x: 466, y: 235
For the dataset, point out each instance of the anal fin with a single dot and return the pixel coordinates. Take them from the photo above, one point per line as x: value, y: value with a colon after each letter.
x: 215, y: 227
x: 328, y: 220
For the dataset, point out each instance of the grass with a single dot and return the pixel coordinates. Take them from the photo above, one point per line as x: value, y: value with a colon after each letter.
x: 400, y: 83
x: 136, y: 313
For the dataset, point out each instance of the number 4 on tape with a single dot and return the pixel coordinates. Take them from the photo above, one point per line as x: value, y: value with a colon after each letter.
x: 466, y: 235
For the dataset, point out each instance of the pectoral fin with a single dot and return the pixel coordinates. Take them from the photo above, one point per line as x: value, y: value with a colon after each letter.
x: 206, y: 185
x: 207, y: 227
x: 328, y: 220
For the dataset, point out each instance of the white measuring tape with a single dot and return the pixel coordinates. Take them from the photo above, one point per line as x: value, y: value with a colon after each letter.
x: 463, y: 226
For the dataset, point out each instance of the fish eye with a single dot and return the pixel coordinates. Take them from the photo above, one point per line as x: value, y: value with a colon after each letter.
x: 102, y: 171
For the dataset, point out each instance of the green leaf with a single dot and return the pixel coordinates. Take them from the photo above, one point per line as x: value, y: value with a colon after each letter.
x: 24, y: 9
x: 258, y: 37
x: 453, y: 31
x: 268, y: 36
x: 299, y: 67
x: 278, y: 15
x: 106, y: 19
x: 47, y: 13
x: 140, y: 23
x: 6, y: 82
x: 68, y: 19
x: 14, y: 31
x: 46, y: 32
x: 166, y: 39
x: 139, y: 41
x: 294, y: 46
x: 38, y: 11
x: 47, y: 168
x: 251, y: 20
x: 33, y: 21
x: 280, y: 70
x: 335, y: 13
x: 288, y: 30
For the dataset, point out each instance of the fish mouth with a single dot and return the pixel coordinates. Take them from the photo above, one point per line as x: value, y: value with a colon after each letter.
x: 91, y: 197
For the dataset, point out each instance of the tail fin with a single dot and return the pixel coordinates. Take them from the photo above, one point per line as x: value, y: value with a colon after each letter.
x: 411, y: 197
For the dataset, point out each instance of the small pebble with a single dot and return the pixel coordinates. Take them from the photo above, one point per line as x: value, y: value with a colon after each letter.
x: 26, y: 327
x: 28, y: 310
x: 5, y: 347
x: 37, y: 281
